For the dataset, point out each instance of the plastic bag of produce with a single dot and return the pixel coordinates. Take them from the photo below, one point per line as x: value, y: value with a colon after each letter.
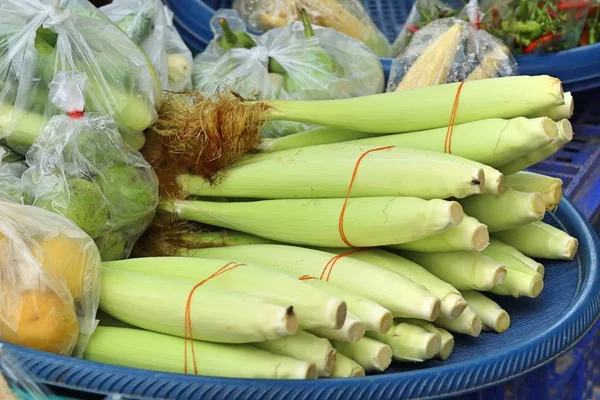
x: 346, y: 16
x: 50, y: 280
x: 79, y: 167
x: 39, y: 38
x: 12, y: 166
x: 297, y: 61
x: 528, y: 26
x: 422, y: 13
x: 451, y: 50
x: 149, y: 24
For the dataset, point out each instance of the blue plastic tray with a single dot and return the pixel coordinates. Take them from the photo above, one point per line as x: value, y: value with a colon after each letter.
x: 579, y: 68
x: 541, y: 330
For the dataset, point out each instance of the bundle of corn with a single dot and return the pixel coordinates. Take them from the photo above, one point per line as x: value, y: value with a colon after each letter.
x: 334, y: 252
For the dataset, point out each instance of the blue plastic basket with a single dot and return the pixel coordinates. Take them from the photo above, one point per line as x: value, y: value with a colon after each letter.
x: 579, y: 68
x: 541, y: 329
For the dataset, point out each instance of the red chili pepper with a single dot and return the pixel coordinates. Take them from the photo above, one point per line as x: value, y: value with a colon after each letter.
x: 412, y: 28
x: 572, y: 4
x: 585, y: 37
x: 542, y: 40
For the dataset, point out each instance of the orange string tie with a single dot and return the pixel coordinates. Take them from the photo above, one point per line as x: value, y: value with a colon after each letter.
x: 188, y: 334
x: 331, y: 263
x: 352, y: 179
x: 450, y: 131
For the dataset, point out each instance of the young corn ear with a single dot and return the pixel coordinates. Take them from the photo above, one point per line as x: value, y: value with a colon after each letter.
x: 540, y: 240
x: 367, y: 221
x: 394, y: 291
x: 345, y: 367
x: 503, y: 142
x: 306, y: 347
x: 426, y: 107
x: 467, y: 323
x: 314, y: 308
x: 137, y: 348
x: 371, y: 354
x: 508, y: 210
x: 352, y: 331
x: 565, y: 135
x: 462, y: 269
x: 410, y: 342
x: 491, y: 314
x: 550, y: 188
x: 447, y: 343
x: 452, y: 303
x: 512, y: 258
x: 469, y: 235
x: 433, y: 64
x: 561, y: 112
x: 159, y: 304
x: 490, y: 64
x: 413, y: 173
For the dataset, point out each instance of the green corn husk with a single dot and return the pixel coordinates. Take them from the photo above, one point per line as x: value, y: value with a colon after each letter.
x: 155, y: 351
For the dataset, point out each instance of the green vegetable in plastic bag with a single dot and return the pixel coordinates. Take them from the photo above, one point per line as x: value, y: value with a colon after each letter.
x: 79, y: 167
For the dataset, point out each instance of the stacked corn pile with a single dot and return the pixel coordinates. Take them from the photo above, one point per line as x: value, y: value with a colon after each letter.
x: 342, y: 250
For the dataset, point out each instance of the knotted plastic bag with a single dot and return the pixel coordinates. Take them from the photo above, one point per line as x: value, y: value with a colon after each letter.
x: 150, y: 25
x: 451, y: 50
x: 39, y: 38
x: 346, y: 16
x: 286, y: 64
x: 49, y: 280
x: 79, y: 167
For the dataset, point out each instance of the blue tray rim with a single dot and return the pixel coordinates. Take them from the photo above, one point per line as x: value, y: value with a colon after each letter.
x: 446, y: 380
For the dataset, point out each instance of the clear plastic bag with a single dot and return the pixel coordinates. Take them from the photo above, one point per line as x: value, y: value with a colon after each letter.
x: 49, y: 280
x: 285, y: 64
x: 39, y: 38
x: 149, y: 24
x: 422, y: 13
x: 528, y: 26
x: 79, y: 167
x: 346, y: 16
x: 12, y: 166
x: 451, y: 50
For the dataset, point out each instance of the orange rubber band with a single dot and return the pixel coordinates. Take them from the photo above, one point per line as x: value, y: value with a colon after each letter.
x: 343, y: 212
x: 331, y: 263
x: 450, y: 131
x: 188, y: 318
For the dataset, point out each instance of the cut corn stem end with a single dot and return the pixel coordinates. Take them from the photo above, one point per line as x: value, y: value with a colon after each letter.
x: 481, y: 238
x: 432, y: 308
x: 494, y: 182
x: 501, y: 322
x: 455, y: 213
x: 447, y: 344
x: 452, y: 305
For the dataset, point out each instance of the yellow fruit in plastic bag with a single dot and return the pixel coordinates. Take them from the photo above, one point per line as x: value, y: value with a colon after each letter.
x: 67, y: 258
x: 44, y: 321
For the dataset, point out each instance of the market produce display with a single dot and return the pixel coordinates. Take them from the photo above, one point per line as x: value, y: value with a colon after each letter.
x: 295, y: 62
x: 284, y: 214
x: 387, y: 256
x: 346, y: 16
x: 41, y: 39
